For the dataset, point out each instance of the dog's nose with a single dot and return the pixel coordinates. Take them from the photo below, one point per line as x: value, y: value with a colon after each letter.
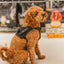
x: 43, y: 14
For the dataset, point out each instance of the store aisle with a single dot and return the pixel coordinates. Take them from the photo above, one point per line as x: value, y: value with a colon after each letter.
x: 52, y: 48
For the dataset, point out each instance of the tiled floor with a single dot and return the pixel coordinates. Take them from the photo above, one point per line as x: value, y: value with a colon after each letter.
x: 52, y: 48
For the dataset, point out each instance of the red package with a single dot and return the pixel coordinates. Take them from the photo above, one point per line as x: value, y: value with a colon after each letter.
x: 56, y: 15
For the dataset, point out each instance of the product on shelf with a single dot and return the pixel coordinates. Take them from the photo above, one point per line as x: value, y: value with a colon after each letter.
x: 3, y: 21
x: 55, y: 24
x: 55, y: 18
x: 8, y: 14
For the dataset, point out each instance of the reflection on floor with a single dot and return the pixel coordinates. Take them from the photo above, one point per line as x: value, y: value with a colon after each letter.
x: 52, y: 48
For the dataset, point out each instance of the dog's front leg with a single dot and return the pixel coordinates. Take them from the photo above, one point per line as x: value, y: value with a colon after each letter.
x: 38, y: 52
x: 31, y: 49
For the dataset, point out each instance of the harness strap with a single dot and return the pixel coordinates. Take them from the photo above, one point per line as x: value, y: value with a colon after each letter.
x: 23, y: 31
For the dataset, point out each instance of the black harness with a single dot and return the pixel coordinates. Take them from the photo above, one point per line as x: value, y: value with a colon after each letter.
x: 23, y: 31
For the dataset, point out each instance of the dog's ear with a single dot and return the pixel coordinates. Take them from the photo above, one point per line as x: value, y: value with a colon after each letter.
x: 28, y: 17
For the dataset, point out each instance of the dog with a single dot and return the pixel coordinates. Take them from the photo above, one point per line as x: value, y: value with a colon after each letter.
x: 24, y: 44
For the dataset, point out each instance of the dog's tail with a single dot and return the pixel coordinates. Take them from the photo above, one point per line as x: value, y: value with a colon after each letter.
x: 7, y: 52
x: 2, y: 50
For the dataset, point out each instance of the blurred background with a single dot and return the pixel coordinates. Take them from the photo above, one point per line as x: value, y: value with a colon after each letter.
x: 12, y: 14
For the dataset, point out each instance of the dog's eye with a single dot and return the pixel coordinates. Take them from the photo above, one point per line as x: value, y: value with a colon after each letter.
x: 36, y: 13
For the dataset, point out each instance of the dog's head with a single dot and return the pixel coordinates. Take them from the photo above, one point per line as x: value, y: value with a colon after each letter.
x: 35, y: 15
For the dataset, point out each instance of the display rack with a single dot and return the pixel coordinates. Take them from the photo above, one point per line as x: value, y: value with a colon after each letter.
x: 6, y: 29
x: 56, y: 30
x: 5, y: 12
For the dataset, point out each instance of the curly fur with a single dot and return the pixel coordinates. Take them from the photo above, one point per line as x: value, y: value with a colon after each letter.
x: 17, y: 53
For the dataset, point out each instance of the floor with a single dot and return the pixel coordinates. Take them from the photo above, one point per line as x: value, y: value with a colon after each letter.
x: 52, y: 48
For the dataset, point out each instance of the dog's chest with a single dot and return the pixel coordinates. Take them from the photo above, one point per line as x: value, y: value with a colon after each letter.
x: 21, y: 44
x: 33, y: 34
x: 20, y: 40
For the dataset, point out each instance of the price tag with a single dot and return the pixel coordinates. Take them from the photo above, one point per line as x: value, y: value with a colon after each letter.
x: 55, y: 23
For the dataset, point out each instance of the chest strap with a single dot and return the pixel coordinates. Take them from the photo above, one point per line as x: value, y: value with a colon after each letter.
x: 23, y: 31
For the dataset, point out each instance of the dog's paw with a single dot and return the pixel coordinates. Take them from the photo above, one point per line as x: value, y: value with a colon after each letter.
x: 42, y: 57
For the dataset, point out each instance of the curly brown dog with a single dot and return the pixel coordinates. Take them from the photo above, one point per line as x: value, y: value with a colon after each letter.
x: 20, y: 47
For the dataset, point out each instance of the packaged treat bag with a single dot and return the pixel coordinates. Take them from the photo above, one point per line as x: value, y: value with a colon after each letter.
x: 55, y: 18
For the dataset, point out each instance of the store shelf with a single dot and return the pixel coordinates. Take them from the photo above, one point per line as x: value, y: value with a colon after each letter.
x: 6, y: 29
x: 20, y: 1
